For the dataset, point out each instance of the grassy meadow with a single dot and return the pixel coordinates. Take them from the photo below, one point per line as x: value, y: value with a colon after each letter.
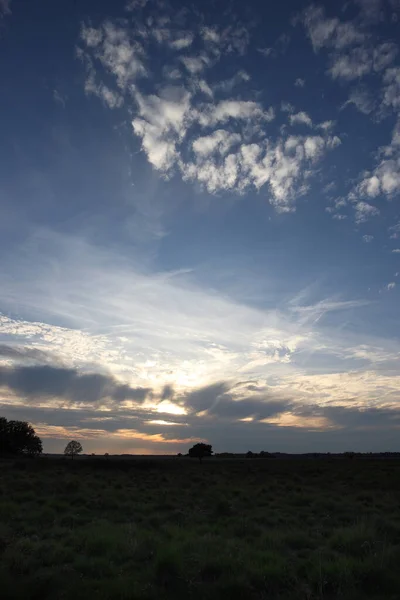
x: 234, y: 529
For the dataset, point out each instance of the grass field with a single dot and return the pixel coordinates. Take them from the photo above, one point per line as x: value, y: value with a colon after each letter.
x: 250, y: 529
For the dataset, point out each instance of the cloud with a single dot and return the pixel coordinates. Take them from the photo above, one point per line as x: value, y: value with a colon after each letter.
x: 5, y: 8
x: 41, y: 381
x: 183, y: 41
x: 372, y: 10
x: 287, y: 107
x: 22, y: 353
x: 385, y: 177
x: 391, y: 88
x: 194, y: 64
x: 327, y: 32
x: 300, y: 82
x: 300, y: 118
x: 227, y: 85
x: 161, y: 124
x: 390, y: 286
x: 364, y: 211
x: 234, y: 109
x: 353, y: 65
x: 396, y: 251
x: 121, y: 56
x: 368, y: 238
x: 59, y: 98
x: 267, y: 52
x: 352, y: 52
x: 192, y: 128
x: 159, y: 329
x: 362, y: 100
x: 221, y: 141
x: 110, y: 98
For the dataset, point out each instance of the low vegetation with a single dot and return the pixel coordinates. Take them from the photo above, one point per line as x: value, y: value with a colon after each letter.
x: 173, y: 528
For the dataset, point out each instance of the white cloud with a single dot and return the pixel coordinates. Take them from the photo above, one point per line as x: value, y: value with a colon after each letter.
x: 368, y: 238
x: 365, y: 211
x: 221, y: 140
x: 227, y: 85
x: 370, y: 186
x: 123, y: 57
x: 149, y: 329
x: 385, y: 178
x: 233, y: 109
x: 329, y: 32
x: 350, y: 47
x: 353, y: 65
x: 394, y: 231
x: 287, y: 107
x: 326, y: 125
x: 194, y: 64
x: 300, y: 82
x: 111, y: 98
x: 233, y: 153
x: 171, y: 72
x: 161, y: 124
x: 396, y: 251
x: 384, y: 55
x: 91, y: 36
x: 391, y: 89
x: 184, y: 41
x: 391, y: 286
x: 267, y: 52
x: 362, y: 100
x: 300, y: 118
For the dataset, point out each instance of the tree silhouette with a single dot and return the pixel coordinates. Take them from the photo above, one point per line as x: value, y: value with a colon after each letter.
x: 200, y: 451
x: 18, y: 437
x: 72, y: 449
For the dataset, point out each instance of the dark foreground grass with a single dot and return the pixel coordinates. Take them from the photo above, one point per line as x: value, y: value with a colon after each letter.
x: 255, y: 529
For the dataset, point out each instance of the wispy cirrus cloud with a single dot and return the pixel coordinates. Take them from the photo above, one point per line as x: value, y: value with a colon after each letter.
x: 161, y: 328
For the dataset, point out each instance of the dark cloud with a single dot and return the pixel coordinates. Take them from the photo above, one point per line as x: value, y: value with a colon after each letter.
x: 21, y: 353
x: 167, y: 392
x: 214, y: 413
x: 366, y: 430
x: 361, y: 418
x: 68, y: 384
x: 216, y: 400
x: 257, y: 408
x: 204, y: 398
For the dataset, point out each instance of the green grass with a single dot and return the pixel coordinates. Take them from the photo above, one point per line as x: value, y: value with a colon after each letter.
x: 251, y: 529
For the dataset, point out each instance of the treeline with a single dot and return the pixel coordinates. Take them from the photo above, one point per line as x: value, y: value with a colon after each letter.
x: 18, y: 438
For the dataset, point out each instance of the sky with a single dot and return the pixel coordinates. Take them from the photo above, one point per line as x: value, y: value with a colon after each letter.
x: 200, y: 224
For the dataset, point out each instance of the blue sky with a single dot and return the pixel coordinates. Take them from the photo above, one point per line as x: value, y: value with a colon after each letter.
x: 200, y: 232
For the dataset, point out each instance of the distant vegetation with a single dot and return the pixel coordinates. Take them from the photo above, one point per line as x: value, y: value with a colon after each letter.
x: 18, y: 438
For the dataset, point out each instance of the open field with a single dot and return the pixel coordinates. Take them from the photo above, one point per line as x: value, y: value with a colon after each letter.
x: 245, y: 529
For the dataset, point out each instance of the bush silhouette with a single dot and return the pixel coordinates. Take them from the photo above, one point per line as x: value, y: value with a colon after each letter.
x: 18, y: 438
x: 72, y: 449
x: 200, y: 451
